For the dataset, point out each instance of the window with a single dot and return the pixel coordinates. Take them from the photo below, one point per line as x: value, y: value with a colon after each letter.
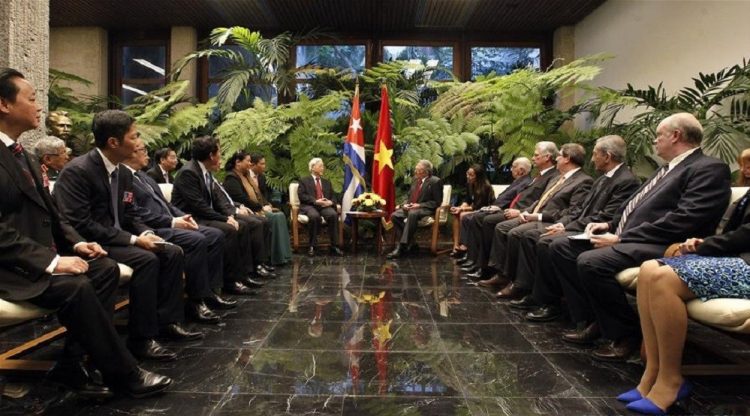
x: 217, y: 67
x: 441, y: 56
x: 141, y: 67
x: 350, y: 57
x: 503, y: 60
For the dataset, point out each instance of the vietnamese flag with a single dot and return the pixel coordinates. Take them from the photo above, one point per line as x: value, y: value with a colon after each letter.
x: 382, y: 165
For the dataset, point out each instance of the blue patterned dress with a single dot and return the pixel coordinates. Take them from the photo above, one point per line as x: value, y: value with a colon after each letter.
x: 712, y: 277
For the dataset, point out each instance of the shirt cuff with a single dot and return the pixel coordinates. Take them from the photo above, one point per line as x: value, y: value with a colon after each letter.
x: 540, y: 217
x: 132, y: 240
x: 174, y: 220
x: 51, y: 268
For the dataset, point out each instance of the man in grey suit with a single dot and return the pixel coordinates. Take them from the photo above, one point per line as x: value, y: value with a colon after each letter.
x: 685, y: 198
x: 534, y: 270
x: 563, y: 197
x: 425, y: 196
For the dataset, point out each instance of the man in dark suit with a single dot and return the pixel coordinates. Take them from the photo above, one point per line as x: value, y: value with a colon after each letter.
x: 42, y: 261
x: 166, y: 163
x: 97, y: 198
x: 425, y: 196
x: 203, y: 246
x: 483, y: 228
x: 196, y: 192
x: 685, y: 198
x: 609, y: 191
x: 520, y: 170
x: 316, y: 201
x: 563, y: 197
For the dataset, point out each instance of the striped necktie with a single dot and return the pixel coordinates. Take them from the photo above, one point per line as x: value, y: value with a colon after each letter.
x: 638, y: 198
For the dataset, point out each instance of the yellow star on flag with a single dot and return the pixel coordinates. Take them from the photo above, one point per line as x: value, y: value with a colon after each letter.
x: 383, y: 156
x: 382, y: 332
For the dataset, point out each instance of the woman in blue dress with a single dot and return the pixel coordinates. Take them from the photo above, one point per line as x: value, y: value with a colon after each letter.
x: 717, y: 267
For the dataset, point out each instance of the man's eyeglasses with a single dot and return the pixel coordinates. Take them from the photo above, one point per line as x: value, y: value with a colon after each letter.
x: 141, y: 150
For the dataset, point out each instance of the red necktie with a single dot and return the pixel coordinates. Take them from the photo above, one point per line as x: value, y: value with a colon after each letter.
x: 417, y: 191
x: 318, y: 189
x: 515, y: 201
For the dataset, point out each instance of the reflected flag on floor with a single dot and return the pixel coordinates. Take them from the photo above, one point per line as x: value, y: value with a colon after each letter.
x: 354, y: 158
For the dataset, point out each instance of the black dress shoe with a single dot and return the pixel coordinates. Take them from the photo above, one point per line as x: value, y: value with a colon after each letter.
x: 311, y: 251
x: 396, y: 253
x: 197, y: 311
x: 494, y: 281
x: 475, y: 274
x: 510, y: 292
x: 268, y: 267
x: 142, y: 383
x: 619, y: 350
x: 584, y: 334
x: 469, y: 267
x: 215, y: 301
x: 74, y: 376
x: 544, y: 313
x: 463, y: 261
x: 150, y: 349
x: 335, y: 251
x: 262, y: 272
x: 525, y: 303
x: 252, y: 283
x: 237, y: 288
x: 175, y: 332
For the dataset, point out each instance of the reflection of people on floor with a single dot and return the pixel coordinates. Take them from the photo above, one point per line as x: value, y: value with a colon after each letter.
x: 352, y: 330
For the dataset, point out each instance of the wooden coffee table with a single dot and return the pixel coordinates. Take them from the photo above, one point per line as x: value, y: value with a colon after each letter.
x: 376, y: 216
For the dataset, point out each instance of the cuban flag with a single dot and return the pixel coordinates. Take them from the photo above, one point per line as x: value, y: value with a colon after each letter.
x: 354, y: 158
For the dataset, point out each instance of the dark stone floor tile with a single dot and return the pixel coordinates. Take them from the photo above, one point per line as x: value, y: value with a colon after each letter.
x: 255, y: 309
x: 547, y: 337
x: 529, y: 406
x: 463, y: 294
x: 483, y: 338
x: 358, y: 335
x: 470, y: 312
x: 203, y: 370
x: 232, y: 334
x: 313, y: 373
x: 594, y: 378
x: 273, y: 405
x: 427, y: 406
x: 340, y: 311
x: 509, y: 375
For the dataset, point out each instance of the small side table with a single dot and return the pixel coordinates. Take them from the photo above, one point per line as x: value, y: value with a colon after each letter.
x: 376, y: 216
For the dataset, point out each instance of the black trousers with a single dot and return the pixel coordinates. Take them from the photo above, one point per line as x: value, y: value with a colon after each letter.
x: 409, y: 228
x: 85, y: 304
x: 535, y: 266
x: 315, y: 215
x: 238, y: 258
x: 520, y: 262
x: 588, y: 281
x: 155, y: 288
x: 482, y: 229
x: 499, y: 248
x: 259, y: 230
x: 203, y: 251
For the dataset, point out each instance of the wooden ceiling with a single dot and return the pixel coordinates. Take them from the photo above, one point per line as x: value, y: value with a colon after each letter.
x: 341, y: 16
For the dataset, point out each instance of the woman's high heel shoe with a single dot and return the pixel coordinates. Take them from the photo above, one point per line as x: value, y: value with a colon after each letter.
x: 630, y: 396
x: 647, y: 407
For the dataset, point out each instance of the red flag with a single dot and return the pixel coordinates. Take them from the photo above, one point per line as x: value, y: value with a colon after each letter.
x: 382, y: 165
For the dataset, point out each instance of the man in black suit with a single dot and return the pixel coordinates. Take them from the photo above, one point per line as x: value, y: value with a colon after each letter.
x: 97, y: 198
x: 316, y: 201
x: 197, y: 192
x: 42, y: 261
x: 520, y: 170
x: 483, y: 229
x: 166, y: 163
x: 425, y: 196
x: 203, y: 246
x: 616, y: 184
x: 563, y: 197
x: 685, y: 198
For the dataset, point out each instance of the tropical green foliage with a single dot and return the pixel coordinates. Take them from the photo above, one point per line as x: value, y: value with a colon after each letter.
x: 255, y: 67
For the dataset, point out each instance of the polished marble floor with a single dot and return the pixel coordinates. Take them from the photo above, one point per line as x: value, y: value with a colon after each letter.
x: 363, y: 336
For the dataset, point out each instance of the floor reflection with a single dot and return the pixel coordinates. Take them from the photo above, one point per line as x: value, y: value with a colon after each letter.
x: 364, y: 336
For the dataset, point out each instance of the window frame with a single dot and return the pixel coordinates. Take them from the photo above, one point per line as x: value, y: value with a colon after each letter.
x: 120, y: 41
